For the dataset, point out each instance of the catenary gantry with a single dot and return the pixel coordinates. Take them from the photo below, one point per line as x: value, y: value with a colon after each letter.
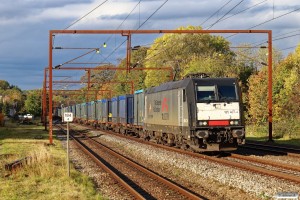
x: 129, y: 33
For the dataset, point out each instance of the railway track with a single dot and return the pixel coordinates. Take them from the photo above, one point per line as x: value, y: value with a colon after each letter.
x: 257, y: 166
x: 141, y: 182
x: 266, y: 162
x: 278, y: 150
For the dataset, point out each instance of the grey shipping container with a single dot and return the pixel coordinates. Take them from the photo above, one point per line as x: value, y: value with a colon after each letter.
x: 125, y: 113
x: 90, y: 106
x: 78, y: 111
x: 73, y: 110
x: 106, y: 110
x: 93, y: 110
x: 115, y: 109
x: 99, y: 111
x: 83, y: 113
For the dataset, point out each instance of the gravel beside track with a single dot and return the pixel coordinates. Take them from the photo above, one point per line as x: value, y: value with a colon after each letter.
x: 201, y: 172
x: 209, y: 179
x: 107, y: 186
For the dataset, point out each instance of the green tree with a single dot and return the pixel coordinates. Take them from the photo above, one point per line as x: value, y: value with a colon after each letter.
x: 187, y: 53
x: 99, y: 79
x: 5, y: 108
x: 286, y: 104
x: 33, y: 102
x: 137, y: 76
x: 286, y: 81
x: 4, y: 85
x: 258, y: 88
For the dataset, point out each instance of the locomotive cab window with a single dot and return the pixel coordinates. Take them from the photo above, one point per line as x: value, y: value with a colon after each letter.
x: 216, y: 93
x: 205, y: 93
x: 227, y: 92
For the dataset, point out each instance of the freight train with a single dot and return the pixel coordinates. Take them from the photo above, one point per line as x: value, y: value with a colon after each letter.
x: 200, y: 114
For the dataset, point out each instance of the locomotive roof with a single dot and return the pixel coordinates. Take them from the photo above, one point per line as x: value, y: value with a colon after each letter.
x: 185, y: 82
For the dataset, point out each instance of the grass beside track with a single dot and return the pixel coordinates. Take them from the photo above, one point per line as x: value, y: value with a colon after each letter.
x: 260, y: 133
x: 44, y: 176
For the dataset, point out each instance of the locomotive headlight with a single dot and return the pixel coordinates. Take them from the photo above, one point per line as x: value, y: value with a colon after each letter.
x: 202, y: 123
x: 234, y: 122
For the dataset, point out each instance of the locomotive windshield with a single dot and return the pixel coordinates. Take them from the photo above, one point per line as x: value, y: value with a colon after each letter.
x: 216, y: 92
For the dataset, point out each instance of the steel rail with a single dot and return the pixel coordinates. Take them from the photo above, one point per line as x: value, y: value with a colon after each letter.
x: 274, y: 164
x: 220, y: 161
x: 261, y: 148
x: 91, y: 154
x: 148, y: 172
x: 131, y: 190
x: 283, y: 148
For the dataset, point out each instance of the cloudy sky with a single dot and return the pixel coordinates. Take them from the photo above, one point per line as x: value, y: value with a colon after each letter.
x: 25, y: 25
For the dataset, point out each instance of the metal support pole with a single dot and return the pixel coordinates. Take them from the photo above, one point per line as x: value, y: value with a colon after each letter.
x: 270, y: 103
x: 68, y: 152
x: 128, y: 63
x: 50, y: 87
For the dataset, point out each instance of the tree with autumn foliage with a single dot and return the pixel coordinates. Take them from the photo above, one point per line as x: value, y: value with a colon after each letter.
x: 33, y: 102
x: 188, y: 53
x: 286, y: 95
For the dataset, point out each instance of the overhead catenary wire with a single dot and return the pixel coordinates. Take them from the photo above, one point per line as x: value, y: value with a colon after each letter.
x: 269, y: 20
x: 136, y: 29
x: 255, y: 5
x: 215, y: 13
x: 106, y: 41
x: 275, y: 18
x: 275, y: 38
x: 81, y: 18
x: 86, y: 14
x: 222, y: 18
x: 153, y: 14
x: 243, y: 10
x: 287, y: 48
x: 226, y: 14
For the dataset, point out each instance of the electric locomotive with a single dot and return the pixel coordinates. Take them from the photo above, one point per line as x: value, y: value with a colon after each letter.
x: 203, y: 114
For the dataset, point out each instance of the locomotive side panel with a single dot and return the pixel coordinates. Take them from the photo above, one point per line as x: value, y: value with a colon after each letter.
x: 166, y: 112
